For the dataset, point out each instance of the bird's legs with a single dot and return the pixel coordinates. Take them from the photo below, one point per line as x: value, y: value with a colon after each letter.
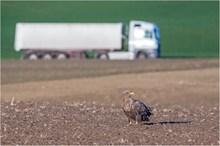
x: 137, y: 119
x: 136, y: 122
x: 129, y: 120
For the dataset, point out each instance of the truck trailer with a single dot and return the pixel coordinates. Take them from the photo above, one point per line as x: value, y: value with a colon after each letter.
x: 88, y: 40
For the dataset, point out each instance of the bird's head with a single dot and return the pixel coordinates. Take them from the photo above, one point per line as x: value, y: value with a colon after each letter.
x: 128, y: 93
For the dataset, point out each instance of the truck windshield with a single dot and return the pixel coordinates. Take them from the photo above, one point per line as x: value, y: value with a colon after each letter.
x: 148, y: 34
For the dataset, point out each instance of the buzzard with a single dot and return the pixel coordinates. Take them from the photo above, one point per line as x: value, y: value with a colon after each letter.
x: 134, y: 109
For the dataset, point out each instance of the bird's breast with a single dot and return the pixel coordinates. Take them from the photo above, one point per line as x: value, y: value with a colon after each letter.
x: 126, y: 104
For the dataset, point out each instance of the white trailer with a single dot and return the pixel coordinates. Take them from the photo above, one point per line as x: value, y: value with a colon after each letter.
x: 105, y: 40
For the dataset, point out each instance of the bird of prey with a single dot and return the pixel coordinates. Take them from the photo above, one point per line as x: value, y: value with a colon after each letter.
x: 134, y: 109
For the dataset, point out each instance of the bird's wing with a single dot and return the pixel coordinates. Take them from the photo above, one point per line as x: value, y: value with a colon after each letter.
x: 140, y: 107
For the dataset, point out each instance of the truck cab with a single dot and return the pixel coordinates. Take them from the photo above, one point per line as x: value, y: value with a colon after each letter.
x: 143, y: 42
x: 144, y: 39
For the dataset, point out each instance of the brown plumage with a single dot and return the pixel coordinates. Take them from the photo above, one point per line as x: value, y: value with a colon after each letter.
x: 135, y: 109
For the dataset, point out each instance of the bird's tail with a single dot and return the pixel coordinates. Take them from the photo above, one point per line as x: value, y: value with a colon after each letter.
x: 151, y: 112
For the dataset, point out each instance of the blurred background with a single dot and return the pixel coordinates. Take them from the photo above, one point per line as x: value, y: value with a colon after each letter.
x: 188, y: 29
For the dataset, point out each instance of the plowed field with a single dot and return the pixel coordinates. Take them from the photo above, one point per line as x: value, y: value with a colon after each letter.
x: 78, y: 102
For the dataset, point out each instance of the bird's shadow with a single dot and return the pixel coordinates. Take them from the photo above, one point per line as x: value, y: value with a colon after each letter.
x: 168, y: 122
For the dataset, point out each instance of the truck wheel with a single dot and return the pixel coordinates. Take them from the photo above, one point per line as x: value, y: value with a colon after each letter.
x: 47, y: 57
x: 61, y: 56
x: 33, y: 57
x: 103, y: 56
x: 141, y: 55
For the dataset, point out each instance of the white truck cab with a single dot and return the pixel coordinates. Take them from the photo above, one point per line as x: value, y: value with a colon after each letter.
x: 143, y: 42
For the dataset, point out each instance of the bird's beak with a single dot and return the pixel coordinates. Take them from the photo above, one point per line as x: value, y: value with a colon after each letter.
x: 131, y: 93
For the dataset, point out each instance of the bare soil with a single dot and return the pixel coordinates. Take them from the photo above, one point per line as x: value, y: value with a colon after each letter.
x: 13, y: 71
x: 43, y: 103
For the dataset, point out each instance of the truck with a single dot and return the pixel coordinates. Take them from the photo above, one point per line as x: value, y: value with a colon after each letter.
x: 113, y: 41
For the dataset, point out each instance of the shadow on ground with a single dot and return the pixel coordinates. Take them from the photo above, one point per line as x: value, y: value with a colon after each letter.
x: 168, y: 122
